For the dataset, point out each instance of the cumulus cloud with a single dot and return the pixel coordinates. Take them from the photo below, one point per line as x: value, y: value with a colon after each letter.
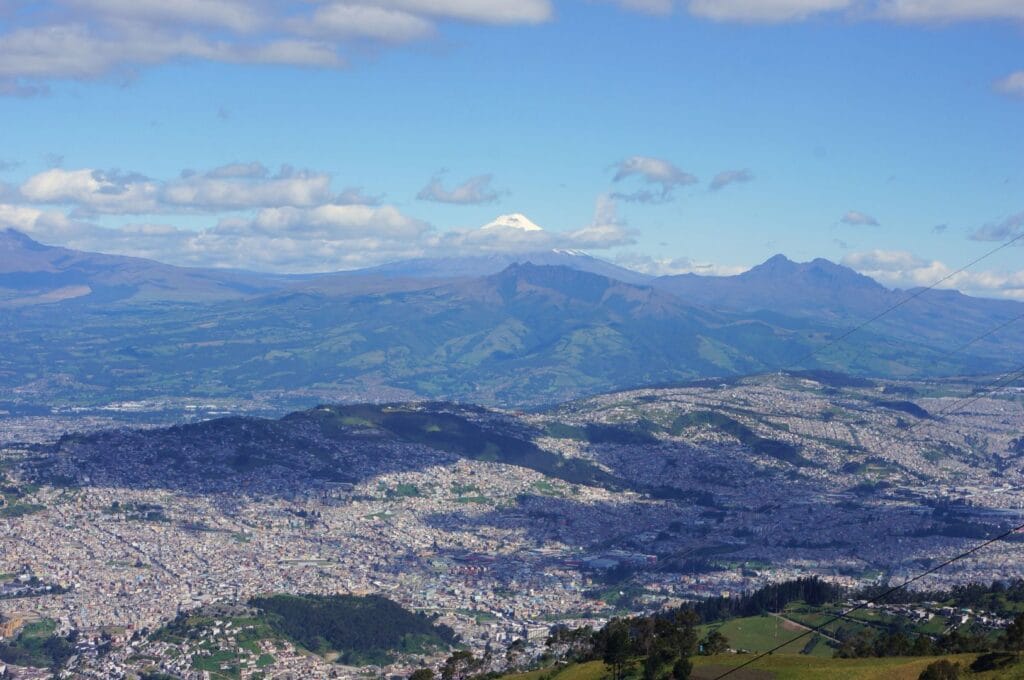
x: 671, y: 266
x: 857, y: 218
x: 767, y: 11
x: 647, y: 6
x: 605, y: 231
x: 727, y: 177
x: 93, y: 191
x: 233, y: 14
x: 917, y: 11
x: 55, y: 39
x: 1011, y: 227
x: 32, y: 220
x: 82, y: 50
x: 238, y: 186
x: 343, y: 20
x: 327, y: 222
x: 901, y: 269
x: 950, y: 10
x: 474, y: 191
x: 289, y: 221
x: 217, y: 192
x: 1012, y: 84
x: 657, y: 172
x: 478, y: 11
x: 884, y: 261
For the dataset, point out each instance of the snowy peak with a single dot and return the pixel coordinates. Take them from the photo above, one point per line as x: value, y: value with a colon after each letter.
x: 513, y: 221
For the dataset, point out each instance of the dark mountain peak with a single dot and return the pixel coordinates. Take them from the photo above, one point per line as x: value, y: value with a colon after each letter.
x: 11, y: 239
x: 776, y: 262
x: 562, y: 278
x: 471, y: 266
x: 548, y: 273
x: 556, y: 282
x: 818, y: 272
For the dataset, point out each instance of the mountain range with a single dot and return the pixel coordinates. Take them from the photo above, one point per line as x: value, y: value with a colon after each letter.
x: 86, y: 328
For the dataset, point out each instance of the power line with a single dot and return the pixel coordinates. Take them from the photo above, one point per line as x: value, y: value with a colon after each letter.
x: 995, y: 384
x: 877, y: 598
x: 979, y: 394
x: 899, y: 303
x: 956, y: 350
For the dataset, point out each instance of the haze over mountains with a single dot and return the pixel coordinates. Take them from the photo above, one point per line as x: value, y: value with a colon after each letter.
x: 497, y: 329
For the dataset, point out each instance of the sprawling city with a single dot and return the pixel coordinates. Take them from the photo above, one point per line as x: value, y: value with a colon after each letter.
x: 511, y: 340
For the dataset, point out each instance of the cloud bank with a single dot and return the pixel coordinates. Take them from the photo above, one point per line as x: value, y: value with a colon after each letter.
x: 901, y: 269
x: 87, y: 39
x: 291, y: 220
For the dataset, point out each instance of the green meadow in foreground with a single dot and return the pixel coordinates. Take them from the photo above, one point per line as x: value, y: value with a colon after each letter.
x: 787, y: 667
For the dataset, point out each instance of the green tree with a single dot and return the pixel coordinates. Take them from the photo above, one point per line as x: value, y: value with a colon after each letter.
x: 1013, y: 637
x: 458, y: 666
x: 618, y: 647
x: 941, y: 670
x: 714, y: 643
x: 923, y: 646
x: 516, y: 653
x: 682, y: 668
x: 422, y: 674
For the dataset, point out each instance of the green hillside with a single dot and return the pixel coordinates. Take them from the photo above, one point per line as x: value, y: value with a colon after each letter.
x: 786, y: 667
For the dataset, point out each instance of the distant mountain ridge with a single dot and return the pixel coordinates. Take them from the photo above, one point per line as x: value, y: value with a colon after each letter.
x: 33, y: 273
x: 483, y: 265
x: 524, y: 333
x: 781, y: 285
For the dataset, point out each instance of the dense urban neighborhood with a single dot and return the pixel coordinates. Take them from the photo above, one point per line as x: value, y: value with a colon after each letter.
x: 500, y: 525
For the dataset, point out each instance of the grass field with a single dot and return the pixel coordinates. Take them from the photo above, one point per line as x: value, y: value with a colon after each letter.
x: 787, y: 667
x: 761, y: 633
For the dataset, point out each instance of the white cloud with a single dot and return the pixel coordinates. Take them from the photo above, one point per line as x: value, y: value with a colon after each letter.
x: 478, y: 11
x: 79, y: 50
x: 857, y: 218
x: 884, y: 261
x: 767, y: 11
x: 290, y: 221
x: 647, y: 6
x: 473, y: 191
x: 908, y: 11
x: 670, y: 266
x: 26, y: 219
x: 604, y: 231
x: 251, y: 170
x: 345, y: 20
x: 233, y: 14
x: 327, y: 222
x: 237, y: 186
x: 1012, y: 84
x: 1011, y: 227
x: 55, y: 39
x: 950, y: 10
x: 653, y: 171
x: 901, y: 269
x: 213, y: 192
x: 92, y: 190
x: 727, y: 177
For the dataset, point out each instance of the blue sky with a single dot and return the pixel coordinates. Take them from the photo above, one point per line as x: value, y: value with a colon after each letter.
x: 885, y: 134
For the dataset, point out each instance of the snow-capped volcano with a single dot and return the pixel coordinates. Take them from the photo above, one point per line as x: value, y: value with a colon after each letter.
x: 513, y: 221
